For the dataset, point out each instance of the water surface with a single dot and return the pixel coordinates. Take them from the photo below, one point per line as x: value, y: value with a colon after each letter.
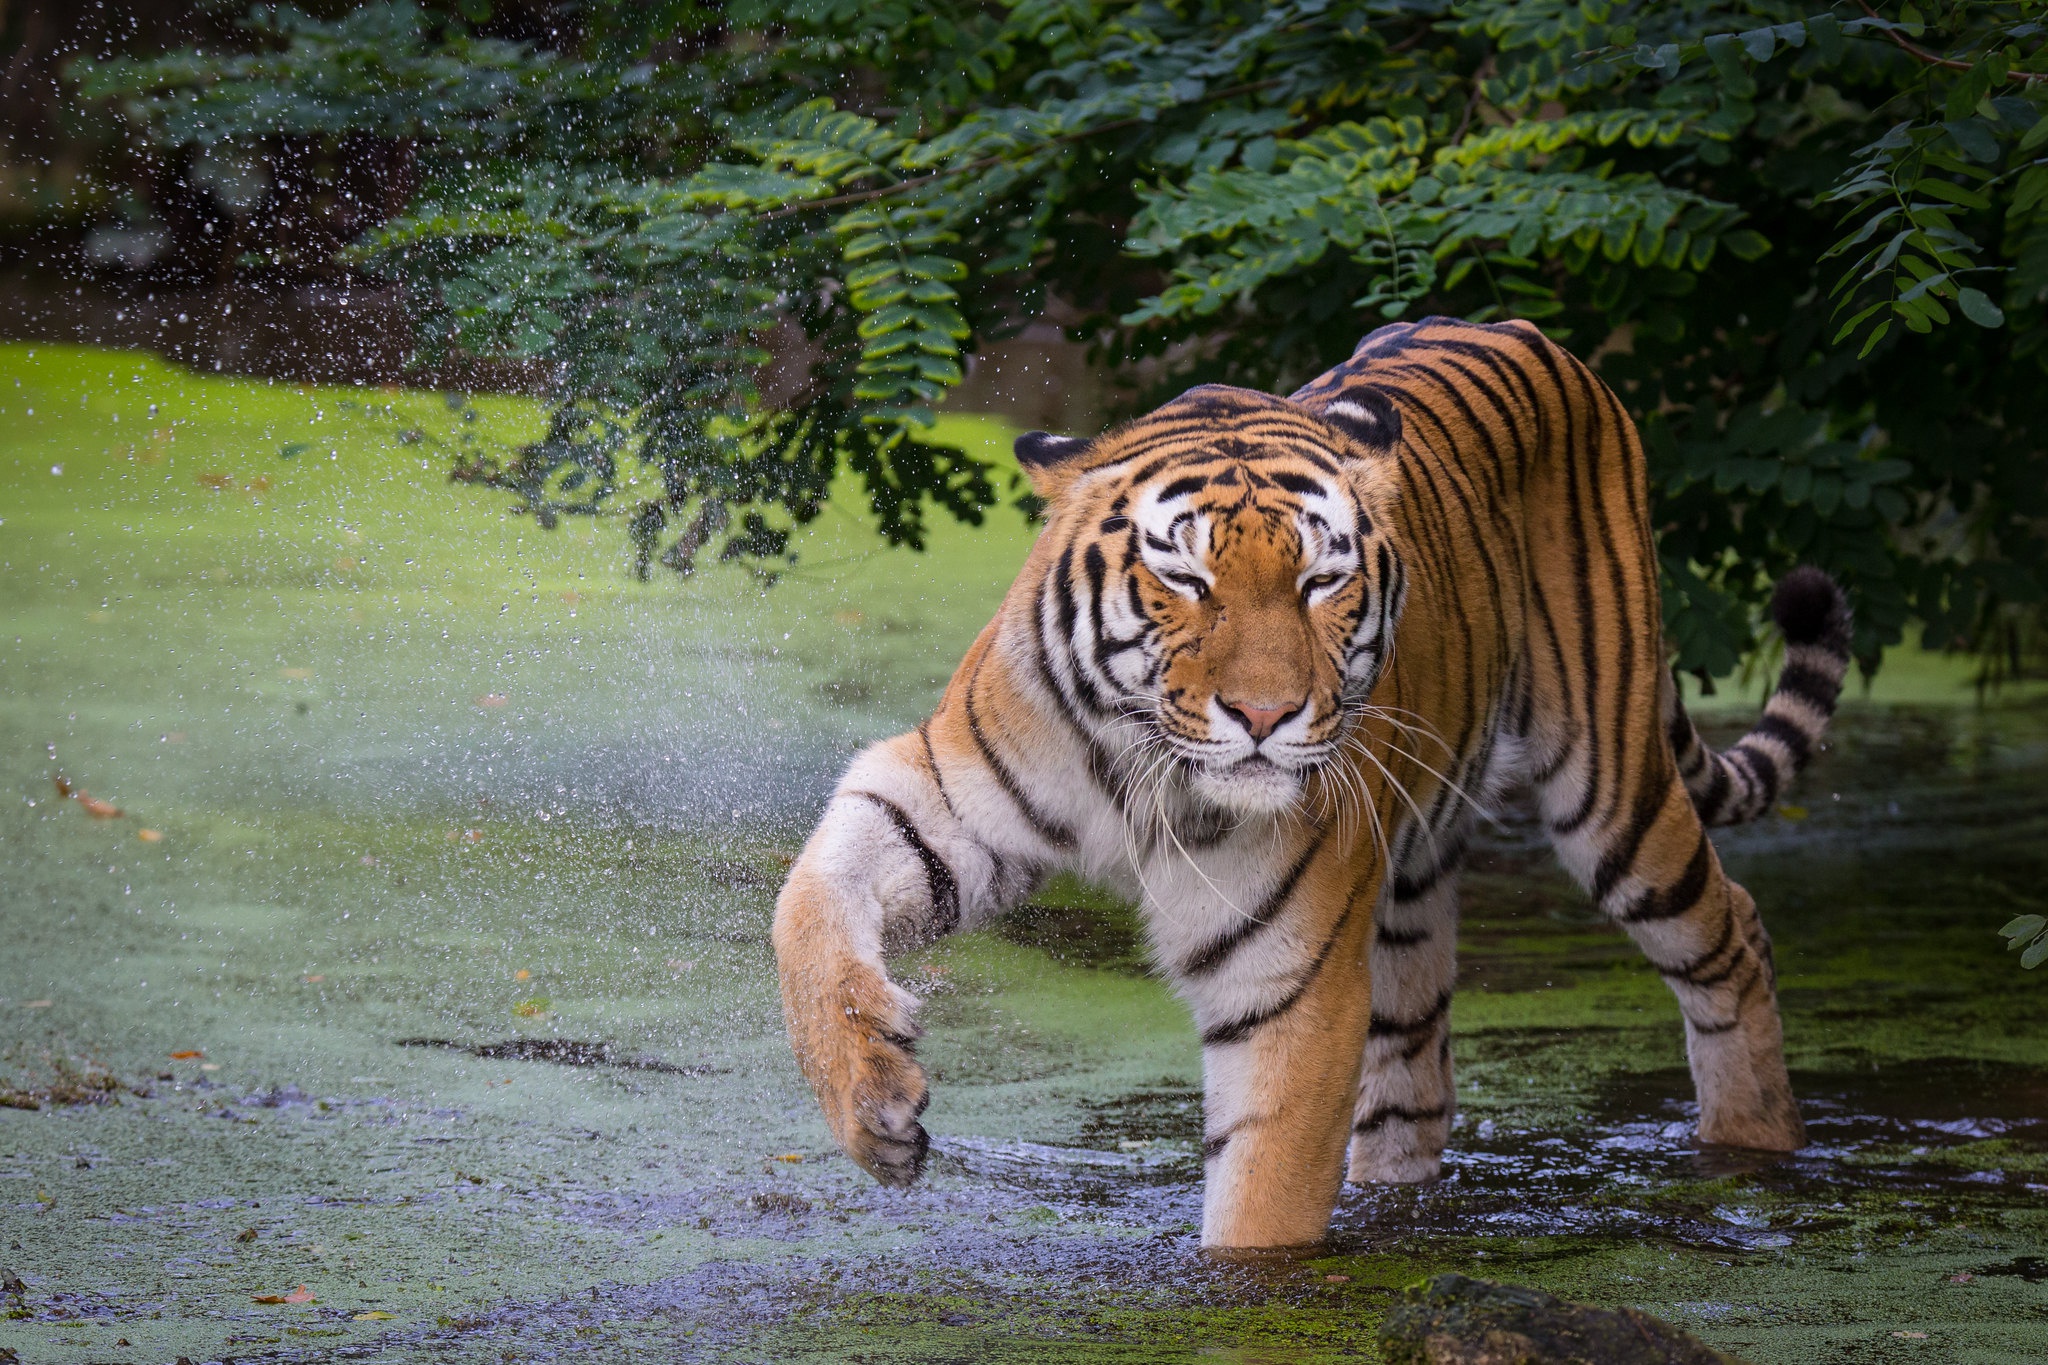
x: 460, y: 855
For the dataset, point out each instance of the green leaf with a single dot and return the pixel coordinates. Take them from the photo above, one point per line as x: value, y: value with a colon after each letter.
x: 2036, y: 955
x: 1975, y: 138
x: 1954, y: 193
x: 2023, y: 927
x: 1759, y: 43
x: 1747, y: 243
x: 1980, y: 309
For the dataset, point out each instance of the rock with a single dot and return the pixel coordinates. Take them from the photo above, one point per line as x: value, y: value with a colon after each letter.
x: 1457, y: 1320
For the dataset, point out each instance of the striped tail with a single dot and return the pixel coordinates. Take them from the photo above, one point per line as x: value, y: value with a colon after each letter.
x: 1741, y: 784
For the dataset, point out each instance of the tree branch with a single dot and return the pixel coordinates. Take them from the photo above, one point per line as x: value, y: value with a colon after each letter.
x: 1921, y: 54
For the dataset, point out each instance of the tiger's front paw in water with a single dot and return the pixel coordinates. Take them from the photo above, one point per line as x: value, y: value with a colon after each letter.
x: 854, y: 1038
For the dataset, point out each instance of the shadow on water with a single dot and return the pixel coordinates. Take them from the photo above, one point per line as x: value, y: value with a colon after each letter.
x: 562, y: 1052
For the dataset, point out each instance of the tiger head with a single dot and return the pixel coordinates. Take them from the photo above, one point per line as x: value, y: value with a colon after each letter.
x: 1221, y: 587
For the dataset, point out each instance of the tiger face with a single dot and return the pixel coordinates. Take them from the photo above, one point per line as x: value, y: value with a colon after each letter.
x: 1226, y: 589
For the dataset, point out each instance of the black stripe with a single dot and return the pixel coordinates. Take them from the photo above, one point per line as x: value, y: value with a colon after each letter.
x: 1379, y: 1118
x: 1239, y: 1029
x: 1407, y: 889
x: 1054, y: 833
x: 1690, y: 971
x: 1220, y: 948
x: 1383, y: 1027
x: 1786, y: 733
x: 1403, y: 938
x: 931, y: 758
x: 939, y: 881
x: 1680, y: 897
x: 1620, y: 857
x: 1811, y: 686
x: 1213, y: 1146
x: 1708, y: 802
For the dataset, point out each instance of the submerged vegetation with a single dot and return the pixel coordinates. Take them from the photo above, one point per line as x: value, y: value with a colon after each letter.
x: 443, y: 997
x: 753, y: 245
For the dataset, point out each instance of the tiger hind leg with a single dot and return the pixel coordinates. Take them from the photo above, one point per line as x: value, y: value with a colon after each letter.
x: 1652, y: 869
x: 1405, y: 1094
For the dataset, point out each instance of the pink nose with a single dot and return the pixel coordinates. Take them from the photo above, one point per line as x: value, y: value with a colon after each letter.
x: 1259, y: 721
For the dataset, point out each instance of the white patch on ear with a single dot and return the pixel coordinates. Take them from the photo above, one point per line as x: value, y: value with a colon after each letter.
x: 1037, y: 449
x: 1367, y: 416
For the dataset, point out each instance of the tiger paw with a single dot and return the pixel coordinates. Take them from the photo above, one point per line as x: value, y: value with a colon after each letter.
x: 879, y: 1129
x: 1395, y: 1154
x: 855, y: 1044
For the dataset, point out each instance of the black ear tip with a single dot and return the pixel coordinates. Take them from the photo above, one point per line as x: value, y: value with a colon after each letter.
x: 1810, y: 609
x: 1036, y: 449
x: 1367, y: 416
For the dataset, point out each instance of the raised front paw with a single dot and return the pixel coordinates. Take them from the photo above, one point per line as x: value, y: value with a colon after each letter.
x: 854, y: 1038
x: 887, y: 1092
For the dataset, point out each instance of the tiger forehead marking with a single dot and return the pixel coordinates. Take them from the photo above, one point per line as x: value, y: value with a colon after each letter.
x: 1234, y: 590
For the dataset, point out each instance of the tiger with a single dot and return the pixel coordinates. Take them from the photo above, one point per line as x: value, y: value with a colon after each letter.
x: 1265, y: 663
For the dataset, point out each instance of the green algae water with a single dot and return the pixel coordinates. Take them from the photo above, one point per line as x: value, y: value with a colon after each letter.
x: 418, y: 1004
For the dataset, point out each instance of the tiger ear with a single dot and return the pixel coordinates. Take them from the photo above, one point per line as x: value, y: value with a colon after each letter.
x: 1367, y: 416
x: 1049, y: 460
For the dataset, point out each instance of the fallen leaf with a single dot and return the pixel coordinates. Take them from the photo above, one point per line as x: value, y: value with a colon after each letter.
x: 209, y: 1066
x: 150, y: 836
x: 216, y: 480
x: 494, y: 699
x: 368, y: 860
x: 63, y: 786
x: 259, y: 484
x: 187, y: 1054
x: 1336, y: 1279
x: 793, y: 1158
x: 96, y: 808
x: 295, y: 674
x: 521, y: 974
x: 344, y: 565
x: 299, y: 1295
x: 374, y: 1315
x: 1910, y: 1336
x: 246, y: 1235
x: 531, y: 1009
x: 1961, y: 1277
x: 36, y: 1004
x: 315, y: 979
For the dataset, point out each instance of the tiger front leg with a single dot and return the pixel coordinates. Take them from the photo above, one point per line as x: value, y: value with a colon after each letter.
x: 1405, y: 1095
x: 1280, y: 1076
x: 880, y: 873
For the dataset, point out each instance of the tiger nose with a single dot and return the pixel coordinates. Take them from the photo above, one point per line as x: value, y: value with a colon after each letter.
x: 1261, y: 720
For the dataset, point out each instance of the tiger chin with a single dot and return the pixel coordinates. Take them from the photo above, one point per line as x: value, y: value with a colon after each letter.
x: 1257, y: 672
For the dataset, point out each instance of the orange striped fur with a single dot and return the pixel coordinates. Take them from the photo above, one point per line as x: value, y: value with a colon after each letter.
x: 1263, y: 662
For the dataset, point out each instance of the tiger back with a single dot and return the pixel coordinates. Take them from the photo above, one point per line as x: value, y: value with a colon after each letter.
x: 1259, y: 672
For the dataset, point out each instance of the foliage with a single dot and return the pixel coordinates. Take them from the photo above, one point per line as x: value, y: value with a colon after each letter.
x: 1808, y: 246
x: 2028, y: 933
